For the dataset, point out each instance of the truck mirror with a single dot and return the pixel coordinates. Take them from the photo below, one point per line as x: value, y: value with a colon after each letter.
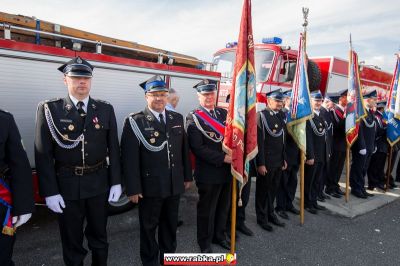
x: 291, y: 72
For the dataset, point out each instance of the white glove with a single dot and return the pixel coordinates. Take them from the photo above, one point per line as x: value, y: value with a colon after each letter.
x: 363, y: 152
x: 54, y: 203
x: 115, y: 193
x: 21, y: 219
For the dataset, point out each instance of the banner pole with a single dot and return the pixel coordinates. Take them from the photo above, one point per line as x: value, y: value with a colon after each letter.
x: 233, y: 215
x: 302, y: 187
x: 389, y: 170
x: 347, y: 173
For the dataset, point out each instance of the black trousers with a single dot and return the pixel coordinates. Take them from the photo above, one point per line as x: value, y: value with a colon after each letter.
x: 312, y: 178
x: 324, y: 178
x: 266, y: 189
x: 336, y: 165
x: 241, y: 210
x: 6, y: 242
x: 161, y: 213
x: 71, y: 223
x: 287, y: 188
x: 376, y: 170
x: 358, y: 170
x: 212, y: 212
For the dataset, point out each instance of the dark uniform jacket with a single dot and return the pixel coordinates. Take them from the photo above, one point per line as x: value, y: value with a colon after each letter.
x: 327, y: 115
x: 271, y: 149
x: 366, y: 133
x: 382, y: 144
x: 13, y: 158
x: 53, y: 162
x: 210, y: 167
x: 154, y: 173
x: 292, y: 151
x: 317, y: 147
x: 339, y: 130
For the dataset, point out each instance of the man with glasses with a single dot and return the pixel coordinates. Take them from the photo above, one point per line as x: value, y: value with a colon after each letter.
x: 156, y: 170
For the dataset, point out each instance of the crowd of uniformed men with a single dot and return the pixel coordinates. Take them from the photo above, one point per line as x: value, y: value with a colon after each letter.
x: 81, y: 165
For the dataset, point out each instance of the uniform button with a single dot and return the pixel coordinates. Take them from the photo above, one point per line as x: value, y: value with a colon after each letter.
x: 170, y: 146
x: 172, y: 155
x: 86, y: 154
x: 84, y: 130
x: 85, y: 142
x: 173, y: 165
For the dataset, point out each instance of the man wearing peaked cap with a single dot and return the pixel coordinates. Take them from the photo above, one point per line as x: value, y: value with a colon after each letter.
x: 288, y: 184
x: 363, y: 148
x: 270, y: 160
x: 78, y: 163
x: 339, y: 144
x: 156, y: 170
x: 205, y: 129
x: 376, y: 171
x: 316, y: 155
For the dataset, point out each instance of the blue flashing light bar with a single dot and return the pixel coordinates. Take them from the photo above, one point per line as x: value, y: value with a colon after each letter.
x: 231, y: 44
x: 272, y: 40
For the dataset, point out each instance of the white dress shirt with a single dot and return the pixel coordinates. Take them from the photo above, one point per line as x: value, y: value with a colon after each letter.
x: 75, y: 101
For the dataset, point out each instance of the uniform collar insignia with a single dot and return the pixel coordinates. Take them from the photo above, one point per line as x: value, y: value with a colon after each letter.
x: 149, y: 117
x: 68, y: 107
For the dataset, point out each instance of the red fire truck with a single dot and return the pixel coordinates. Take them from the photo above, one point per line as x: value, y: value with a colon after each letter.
x: 275, y: 67
x: 32, y: 50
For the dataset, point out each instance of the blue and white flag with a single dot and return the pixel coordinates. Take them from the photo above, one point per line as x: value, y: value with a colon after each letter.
x: 300, y: 107
x: 393, y: 108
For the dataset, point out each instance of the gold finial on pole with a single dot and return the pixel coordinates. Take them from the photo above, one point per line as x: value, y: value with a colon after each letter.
x: 305, y: 24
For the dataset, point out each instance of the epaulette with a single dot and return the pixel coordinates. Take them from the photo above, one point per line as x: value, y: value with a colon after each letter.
x: 135, y: 114
x: 52, y: 100
x: 4, y: 111
x: 102, y: 101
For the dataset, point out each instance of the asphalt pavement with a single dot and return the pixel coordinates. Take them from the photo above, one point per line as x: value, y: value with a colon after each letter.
x: 325, y: 239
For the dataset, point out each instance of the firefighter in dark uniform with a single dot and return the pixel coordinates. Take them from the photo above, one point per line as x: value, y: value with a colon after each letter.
x: 339, y: 145
x: 156, y: 170
x: 78, y: 162
x: 316, y: 155
x: 288, y: 185
x: 326, y: 113
x: 376, y: 171
x: 212, y: 172
x: 245, y: 197
x: 16, y: 189
x: 363, y: 148
x: 270, y: 159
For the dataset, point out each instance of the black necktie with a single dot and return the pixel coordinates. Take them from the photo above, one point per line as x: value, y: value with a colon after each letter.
x: 212, y: 113
x: 81, y: 112
x: 162, y: 120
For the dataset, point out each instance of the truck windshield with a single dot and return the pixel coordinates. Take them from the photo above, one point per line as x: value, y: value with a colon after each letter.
x: 225, y: 62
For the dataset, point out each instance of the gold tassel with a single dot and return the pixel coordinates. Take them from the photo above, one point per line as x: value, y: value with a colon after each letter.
x: 8, y: 230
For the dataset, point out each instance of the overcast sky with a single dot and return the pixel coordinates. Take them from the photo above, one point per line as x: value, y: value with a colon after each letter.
x: 201, y: 27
